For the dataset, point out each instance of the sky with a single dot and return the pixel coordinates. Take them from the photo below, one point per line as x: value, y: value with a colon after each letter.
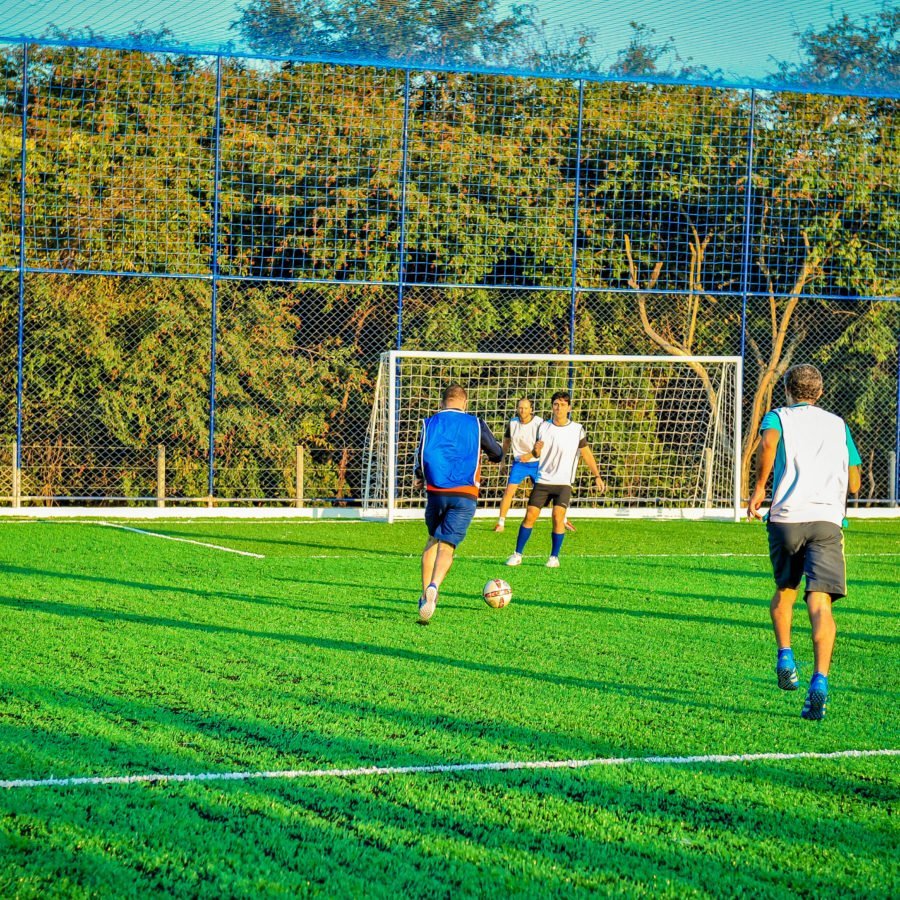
x: 738, y: 37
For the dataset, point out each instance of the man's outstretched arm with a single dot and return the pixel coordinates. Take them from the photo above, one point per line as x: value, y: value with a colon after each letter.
x: 765, y: 461
x: 489, y: 444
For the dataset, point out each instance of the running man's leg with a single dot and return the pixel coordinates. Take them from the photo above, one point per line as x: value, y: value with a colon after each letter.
x: 781, y: 610
x: 823, y: 633
x: 557, y: 535
x: 824, y: 630
x: 505, y: 504
x: 443, y: 561
x: 531, y: 516
x: 787, y: 554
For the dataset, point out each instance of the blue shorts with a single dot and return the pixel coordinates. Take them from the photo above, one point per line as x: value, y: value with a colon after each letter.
x: 522, y: 470
x: 448, y: 517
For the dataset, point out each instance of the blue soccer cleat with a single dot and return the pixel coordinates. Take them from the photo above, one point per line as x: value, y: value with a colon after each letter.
x: 428, y: 603
x: 786, y: 670
x: 816, y: 700
x: 814, y: 707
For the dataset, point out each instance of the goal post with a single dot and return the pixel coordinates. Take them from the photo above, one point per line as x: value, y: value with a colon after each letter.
x: 665, y: 429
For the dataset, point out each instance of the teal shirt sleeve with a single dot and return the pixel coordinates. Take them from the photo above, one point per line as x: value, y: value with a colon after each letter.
x: 771, y: 420
x: 855, y: 458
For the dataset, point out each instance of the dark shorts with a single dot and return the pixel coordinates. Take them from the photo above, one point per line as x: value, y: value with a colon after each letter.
x: 813, y: 549
x: 542, y: 494
x: 448, y: 517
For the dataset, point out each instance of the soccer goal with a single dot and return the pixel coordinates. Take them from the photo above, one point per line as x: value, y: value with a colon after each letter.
x: 665, y: 429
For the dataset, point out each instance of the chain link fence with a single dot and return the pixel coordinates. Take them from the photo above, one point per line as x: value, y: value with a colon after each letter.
x: 216, y: 253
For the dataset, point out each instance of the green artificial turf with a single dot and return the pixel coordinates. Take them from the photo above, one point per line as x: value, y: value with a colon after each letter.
x: 123, y: 654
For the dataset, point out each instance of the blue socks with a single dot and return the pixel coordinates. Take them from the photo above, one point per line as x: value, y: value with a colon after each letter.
x: 819, y: 683
x: 556, y: 543
x: 786, y: 659
x: 525, y: 535
x: 522, y: 539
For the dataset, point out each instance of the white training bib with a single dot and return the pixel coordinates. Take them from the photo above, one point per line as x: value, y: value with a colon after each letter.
x: 559, y: 458
x: 813, y: 486
x: 522, y: 436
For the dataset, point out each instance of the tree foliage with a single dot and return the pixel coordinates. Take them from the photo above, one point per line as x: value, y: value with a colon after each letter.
x: 312, y: 202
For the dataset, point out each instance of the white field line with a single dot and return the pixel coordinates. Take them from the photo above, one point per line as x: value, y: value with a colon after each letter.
x: 714, y: 759
x: 375, y: 554
x: 169, y: 537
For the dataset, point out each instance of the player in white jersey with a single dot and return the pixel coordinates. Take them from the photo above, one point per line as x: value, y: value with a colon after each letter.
x: 815, y: 463
x: 519, y: 440
x: 560, y: 444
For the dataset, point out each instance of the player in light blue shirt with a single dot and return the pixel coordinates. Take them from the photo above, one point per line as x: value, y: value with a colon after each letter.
x: 815, y: 464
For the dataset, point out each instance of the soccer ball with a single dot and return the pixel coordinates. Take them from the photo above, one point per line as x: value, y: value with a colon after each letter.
x: 497, y: 593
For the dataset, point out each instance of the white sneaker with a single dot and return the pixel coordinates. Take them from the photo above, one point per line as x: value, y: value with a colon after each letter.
x: 498, y: 527
x: 515, y: 560
x: 427, y: 603
x: 553, y: 562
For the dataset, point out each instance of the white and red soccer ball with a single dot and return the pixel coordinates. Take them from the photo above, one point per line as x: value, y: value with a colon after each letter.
x: 497, y: 593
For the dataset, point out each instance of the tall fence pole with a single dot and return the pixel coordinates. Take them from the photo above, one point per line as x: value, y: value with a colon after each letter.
x: 748, y: 200
x: 575, y: 224
x: 20, y: 332
x: 895, y: 474
x: 401, y: 247
x: 161, y: 475
x: 745, y: 250
x: 215, y: 286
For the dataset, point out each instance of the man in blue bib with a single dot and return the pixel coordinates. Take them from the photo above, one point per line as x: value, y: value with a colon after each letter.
x: 448, y: 461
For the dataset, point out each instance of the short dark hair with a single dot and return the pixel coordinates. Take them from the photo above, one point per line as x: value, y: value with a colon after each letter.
x: 455, y: 392
x: 562, y: 395
x: 803, y: 383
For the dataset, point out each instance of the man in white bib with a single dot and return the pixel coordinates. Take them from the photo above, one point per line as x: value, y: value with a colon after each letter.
x: 560, y: 444
x: 815, y: 463
x: 521, y: 434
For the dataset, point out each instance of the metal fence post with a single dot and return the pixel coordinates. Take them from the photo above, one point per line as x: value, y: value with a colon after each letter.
x: 401, y: 248
x: 892, y: 482
x: 298, y: 477
x: 161, y: 475
x: 745, y: 250
x: 575, y: 225
x: 15, y: 490
x: 20, y: 332
x: 748, y: 199
x: 215, y: 286
x: 895, y: 473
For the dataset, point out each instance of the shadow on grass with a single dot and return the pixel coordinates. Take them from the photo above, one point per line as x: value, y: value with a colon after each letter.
x: 374, y: 650
x: 146, y: 586
x: 535, y: 832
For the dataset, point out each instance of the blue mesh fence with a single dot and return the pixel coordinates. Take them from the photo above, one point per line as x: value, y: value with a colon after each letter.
x: 663, y: 186
x: 491, y: 180
x: 525, y: 215
x: 310, y: 168
x: 820, y: 46
x: 114, y: 369
x: 9, y: 313
x: 296, y: 365
x: 10, y: 153
x: 121, y: 178
x: 825, y: 191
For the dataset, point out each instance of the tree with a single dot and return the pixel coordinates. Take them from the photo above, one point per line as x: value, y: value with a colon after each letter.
x: 825, y: 217
x: 448, y: 32
x: 850, y: 53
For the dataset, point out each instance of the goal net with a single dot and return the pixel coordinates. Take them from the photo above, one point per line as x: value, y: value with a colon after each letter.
x: 665, y: 430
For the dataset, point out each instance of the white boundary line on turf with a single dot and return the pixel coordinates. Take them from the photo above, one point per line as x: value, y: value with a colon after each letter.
x: 155, y: 778
x: 374, y: 554
x: 169, y: 537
